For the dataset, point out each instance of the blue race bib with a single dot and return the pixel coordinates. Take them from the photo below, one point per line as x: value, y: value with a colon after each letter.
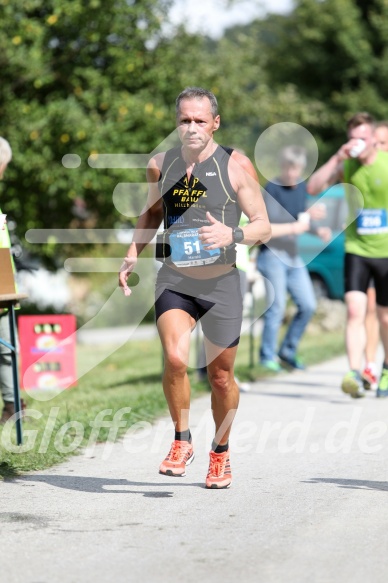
x: 187, y: 249
x: 372, y: 222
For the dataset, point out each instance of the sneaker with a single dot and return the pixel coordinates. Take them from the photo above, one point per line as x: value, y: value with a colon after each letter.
x: 219, y: 474
x: 180, y: 455
x: 294, y: 363
x: 271, y: 365
x: 352, y: 385
x: 369, y: 380
x: 382, y: 389
x: 242, y: 386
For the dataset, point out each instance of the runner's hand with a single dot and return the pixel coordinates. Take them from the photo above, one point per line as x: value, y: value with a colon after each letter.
x: 126, y: 269
x: 344, y: 151
x: 217, y: 235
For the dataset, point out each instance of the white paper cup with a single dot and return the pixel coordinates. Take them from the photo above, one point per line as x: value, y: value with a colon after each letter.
x: 358, y: 148
x: 304, y: 218
x: 2, y: 221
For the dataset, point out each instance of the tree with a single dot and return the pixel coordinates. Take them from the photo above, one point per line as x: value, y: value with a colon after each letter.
x: 74, y: 79
x: 333, y: 52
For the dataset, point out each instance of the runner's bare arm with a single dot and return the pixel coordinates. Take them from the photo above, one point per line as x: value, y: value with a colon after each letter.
x: 152, y: 214
x: 328, y: 174
x: 245, y: 181
x: 147, y: 224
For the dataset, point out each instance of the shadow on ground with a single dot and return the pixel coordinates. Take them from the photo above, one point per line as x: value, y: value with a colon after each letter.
x: 107, y: 485
x: 351, y: 484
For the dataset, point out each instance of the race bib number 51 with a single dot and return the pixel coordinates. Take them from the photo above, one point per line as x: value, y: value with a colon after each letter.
x: 187, y: 249
x: 372, y: 222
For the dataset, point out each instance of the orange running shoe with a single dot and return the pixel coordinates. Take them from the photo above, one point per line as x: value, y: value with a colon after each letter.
x: 219, y: 474
x: 180, y: 455
x: 369, y: 380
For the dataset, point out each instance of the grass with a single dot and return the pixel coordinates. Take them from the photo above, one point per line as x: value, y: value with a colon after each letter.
x: 313, y: 349
x: 128, y: 383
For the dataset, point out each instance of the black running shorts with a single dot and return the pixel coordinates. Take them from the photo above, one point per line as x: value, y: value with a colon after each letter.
x: 359, y: 271
x: 217, y: 302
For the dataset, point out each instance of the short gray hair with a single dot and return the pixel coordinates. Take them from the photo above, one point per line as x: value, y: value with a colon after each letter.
x: 5, y: 151
x: 294, y: 156
x: 197, y: 93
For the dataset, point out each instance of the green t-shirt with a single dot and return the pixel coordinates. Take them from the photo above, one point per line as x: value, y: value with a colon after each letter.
x: 367, y: 234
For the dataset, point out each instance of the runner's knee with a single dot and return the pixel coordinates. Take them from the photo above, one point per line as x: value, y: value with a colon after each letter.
x: 221, y: 382
x: 175, y: 362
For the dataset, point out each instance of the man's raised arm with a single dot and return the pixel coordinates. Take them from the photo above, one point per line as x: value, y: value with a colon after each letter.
x: 327, y: 175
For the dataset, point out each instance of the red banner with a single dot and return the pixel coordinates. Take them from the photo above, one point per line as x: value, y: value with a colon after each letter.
x: 47, y: 352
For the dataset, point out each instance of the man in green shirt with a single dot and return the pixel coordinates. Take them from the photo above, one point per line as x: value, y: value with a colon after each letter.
x: 360, y: 164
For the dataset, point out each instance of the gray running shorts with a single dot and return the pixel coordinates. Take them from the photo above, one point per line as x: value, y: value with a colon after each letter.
x: 217, y: 302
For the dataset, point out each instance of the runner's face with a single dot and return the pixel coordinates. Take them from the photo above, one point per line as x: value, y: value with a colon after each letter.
x: 196, y: 124
x: 381, y: 137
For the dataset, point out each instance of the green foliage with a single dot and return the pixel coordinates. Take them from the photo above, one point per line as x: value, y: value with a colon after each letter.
x: 75, y: 79
x: 129, y: 378
x: 333, y: 53
x: 89, y: 77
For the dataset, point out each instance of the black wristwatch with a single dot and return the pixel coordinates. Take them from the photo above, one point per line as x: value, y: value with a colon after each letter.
x: 238, y: 235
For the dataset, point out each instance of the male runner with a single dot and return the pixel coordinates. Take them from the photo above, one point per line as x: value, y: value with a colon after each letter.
x: 359, y: 163
x: 199, y: 191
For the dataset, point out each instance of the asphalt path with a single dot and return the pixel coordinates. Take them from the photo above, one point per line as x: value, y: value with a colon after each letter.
x: 308, y: 502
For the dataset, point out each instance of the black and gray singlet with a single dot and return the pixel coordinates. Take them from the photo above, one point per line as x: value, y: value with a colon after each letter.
x: 186, y: 201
